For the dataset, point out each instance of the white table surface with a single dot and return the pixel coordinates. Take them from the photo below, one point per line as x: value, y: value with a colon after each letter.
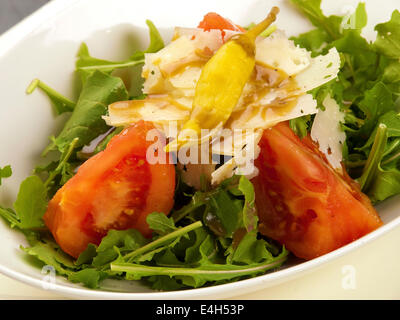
x: 375, y: 266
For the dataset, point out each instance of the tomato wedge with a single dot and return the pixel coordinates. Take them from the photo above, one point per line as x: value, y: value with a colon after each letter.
x: 302, y: 202
x: 213, y: 20
x: 115, y: 189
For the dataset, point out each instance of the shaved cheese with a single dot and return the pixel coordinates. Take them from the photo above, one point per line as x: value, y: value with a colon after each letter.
x: 264, y: 116
x: 242, y: 162
x: 166, y: 61
x: 184, y: 99
x: 321, y: 70
x: 276, y: 92
x: 156, y: 110
x: 223, y: 172
x: 279, y: 52
x: 186, y: 79
x: 230, y: 168
x: 327, y: 132
x: 231, y: 142
x: 155, y: 82
x: 181, y: 51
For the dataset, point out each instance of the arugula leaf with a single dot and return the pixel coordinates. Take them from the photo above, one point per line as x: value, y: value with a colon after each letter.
x: 377, y: 101
x: 31, y: 203
x: 381, y: 170
x: 198, y: 276
x: 391, y: 73
x: 5, y: 172
x: 124, y: 240
x: 224, y: 209
x: 10, y: 216
x: 312, y: 9
x: 189, y: 253
x: 391, y: 120
x: 386, y: 182
x: 62, y: 167
x: 300, y: 126
x: 89, y: 277
x: 162, y: 283
x: 250, y: 250
x: 156, y: 41
x: 388, y: 39
x: 250, y: 218
x: 314, y: 41
x: 86, y: 64
x: 201, y: 250
x: 223, y: 213
x: 30, y: 206
x: 187, y: 259
x: 374, y: 158
x: 86, y: 257
x: 360, y: 17
x: 167, y: 257
x: 367, y: 89
x: 50, y: 254
x: 60, y: 103
x: 196, y: 204
x: 86, y: 123
x: 360, y: 58
x: 160, y: 223
x: 162, y: 241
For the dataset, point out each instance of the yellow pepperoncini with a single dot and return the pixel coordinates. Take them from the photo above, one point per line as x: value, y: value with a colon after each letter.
x: 222, y: 81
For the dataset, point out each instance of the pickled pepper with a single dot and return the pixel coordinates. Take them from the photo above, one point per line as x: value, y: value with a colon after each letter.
x: 222, y: 81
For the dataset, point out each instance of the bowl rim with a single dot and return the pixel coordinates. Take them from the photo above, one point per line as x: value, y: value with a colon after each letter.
x: 17, y: 33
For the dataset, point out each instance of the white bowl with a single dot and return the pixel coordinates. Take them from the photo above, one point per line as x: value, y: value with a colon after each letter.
x: 45, y: 45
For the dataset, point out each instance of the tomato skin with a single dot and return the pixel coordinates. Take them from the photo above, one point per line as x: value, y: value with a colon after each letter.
x: 213, y: 20
x: 302, y: 202
x: 115, y: 189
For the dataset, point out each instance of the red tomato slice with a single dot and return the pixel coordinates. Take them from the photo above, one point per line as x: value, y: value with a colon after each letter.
x: 302, y: 202
x: 115, y: 189
x: 213, y: 20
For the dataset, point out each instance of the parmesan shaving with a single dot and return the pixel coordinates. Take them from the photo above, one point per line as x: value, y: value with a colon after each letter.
x: 262, y: 117
x: 276, y: 92
x: 321, y: 70
x: 327, y: 132
x: 279, y: 52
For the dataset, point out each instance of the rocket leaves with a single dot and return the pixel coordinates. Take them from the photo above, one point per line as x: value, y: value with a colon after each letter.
x: 60, y: 103
x: 84, y: 125
x: 209, y: 240
x: 388, y: 39
x: 86, y: 121
x: 188, y: 253
x: 213, y: 237
x: 86, y: 64
x: 5, y: 172
x: 191, y: 254
x: 99, y: 89
x: 29, y: 207
x: 367, y: 89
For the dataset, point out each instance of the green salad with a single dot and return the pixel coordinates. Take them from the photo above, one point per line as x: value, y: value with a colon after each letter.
x: 214, y: 232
